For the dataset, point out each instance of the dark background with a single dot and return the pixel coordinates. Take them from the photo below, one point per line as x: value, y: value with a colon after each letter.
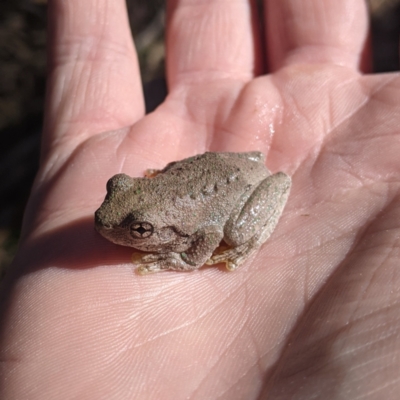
x: 22, y: 86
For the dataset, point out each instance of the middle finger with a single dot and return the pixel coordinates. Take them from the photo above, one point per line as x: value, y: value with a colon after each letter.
x: 210, y: 40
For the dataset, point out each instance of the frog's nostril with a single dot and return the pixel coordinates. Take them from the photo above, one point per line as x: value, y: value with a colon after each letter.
x: 103, y: 226
x: 99, y: 223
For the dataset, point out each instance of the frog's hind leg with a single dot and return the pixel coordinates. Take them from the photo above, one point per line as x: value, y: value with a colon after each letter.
x: 254, y: 220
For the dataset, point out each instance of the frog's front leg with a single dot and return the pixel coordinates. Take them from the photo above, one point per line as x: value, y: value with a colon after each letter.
x: 253, y: 220
x: 204, y: 243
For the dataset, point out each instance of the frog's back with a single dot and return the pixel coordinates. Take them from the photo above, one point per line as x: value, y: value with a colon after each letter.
x: 249, y: 167
x: 206, y: 187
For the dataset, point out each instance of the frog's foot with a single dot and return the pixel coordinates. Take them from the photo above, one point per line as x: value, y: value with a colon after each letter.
x: 147, y: 269
x: 152, y: 263
x: 229, y: 264
x: 235, y: 256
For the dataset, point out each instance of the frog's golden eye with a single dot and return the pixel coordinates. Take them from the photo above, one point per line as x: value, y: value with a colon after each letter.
x: 141, y: 230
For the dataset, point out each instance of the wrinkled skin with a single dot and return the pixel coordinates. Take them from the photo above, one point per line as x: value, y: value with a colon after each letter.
x: 314, y: 314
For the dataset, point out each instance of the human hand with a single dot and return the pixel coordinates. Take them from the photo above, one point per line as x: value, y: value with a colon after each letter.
x: 314, y: 314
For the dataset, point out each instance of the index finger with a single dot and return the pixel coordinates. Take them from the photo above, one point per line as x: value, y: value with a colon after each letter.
x: 93, y: 80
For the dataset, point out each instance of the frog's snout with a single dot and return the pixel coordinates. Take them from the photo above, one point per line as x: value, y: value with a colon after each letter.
x: 99, y: 224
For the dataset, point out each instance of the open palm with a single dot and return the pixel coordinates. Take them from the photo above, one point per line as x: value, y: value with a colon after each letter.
x: 314, y: 314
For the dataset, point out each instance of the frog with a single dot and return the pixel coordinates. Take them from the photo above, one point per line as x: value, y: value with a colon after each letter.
x: 208, y: 209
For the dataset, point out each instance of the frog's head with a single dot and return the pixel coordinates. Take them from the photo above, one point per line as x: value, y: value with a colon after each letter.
x: 127, y: 215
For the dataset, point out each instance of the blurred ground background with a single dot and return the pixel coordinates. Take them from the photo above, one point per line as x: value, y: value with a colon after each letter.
x: 22, y: 85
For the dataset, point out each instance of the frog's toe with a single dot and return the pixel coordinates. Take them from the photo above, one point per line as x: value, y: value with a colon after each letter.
x: 232, y: 258
x: 145, y: 269
x: 151, y: 258
x: 152, y: 268
x: 230, y: 264
x: 224, y: 257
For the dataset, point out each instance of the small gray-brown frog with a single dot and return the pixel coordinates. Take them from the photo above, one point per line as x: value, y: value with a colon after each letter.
x: 181, y: 214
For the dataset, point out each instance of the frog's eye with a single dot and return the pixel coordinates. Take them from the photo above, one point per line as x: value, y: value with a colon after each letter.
x: 141, y: 230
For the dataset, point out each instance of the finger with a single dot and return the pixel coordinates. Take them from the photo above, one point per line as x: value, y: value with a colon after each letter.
x: 315, y: 31
x: 211, y: 39
x: 94, y: 82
